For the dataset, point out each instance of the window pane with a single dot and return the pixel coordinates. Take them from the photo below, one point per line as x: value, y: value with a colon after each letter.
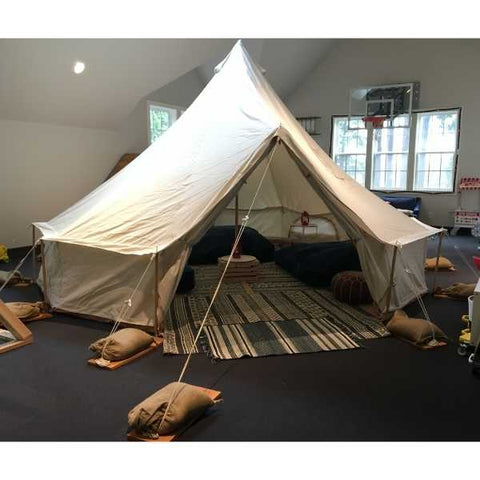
x: 161, y: 119
x: 436, y: 144
x: 350, y: 147
x: 390, y: 156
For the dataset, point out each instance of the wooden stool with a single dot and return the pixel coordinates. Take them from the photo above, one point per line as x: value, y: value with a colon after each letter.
x: 242, y: 269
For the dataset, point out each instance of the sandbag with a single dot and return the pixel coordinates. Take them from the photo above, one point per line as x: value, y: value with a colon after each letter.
x: 16, y: 278
x: 24, y: 310
x: 414, y: 330
x: 187, y: 403
x: 457, y: 290
x: 443, y: 264
x: 122, y: 344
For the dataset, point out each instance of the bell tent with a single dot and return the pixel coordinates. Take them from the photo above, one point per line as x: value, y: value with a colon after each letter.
x: 153, y: 211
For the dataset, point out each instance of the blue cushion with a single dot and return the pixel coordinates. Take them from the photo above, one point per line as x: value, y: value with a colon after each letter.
x: 316, y: 263
x: 218, y: 242
x: 187, y: 282
x: 405, y: 203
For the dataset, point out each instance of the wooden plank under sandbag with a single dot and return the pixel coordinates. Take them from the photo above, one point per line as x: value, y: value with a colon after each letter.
x: 113, y: 365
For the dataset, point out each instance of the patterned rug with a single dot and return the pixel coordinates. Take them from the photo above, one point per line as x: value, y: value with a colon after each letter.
x: 276, y: 315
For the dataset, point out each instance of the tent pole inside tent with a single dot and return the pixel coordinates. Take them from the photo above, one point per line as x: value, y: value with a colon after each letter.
x: 439, y: 249
x: 155, y: 292
x: 44, y: 275
x: 390, y: 287
x: 236, y: 253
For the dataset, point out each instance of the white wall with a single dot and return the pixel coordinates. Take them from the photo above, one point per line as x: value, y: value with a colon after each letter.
x: 46, y: 168
x: 449, y: 73
x: 181, y: 92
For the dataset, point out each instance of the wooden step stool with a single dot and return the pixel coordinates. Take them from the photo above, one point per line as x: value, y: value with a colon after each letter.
x: 245, y: 268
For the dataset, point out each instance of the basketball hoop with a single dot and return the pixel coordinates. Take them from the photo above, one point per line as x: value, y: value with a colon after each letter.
x: 376, y: 122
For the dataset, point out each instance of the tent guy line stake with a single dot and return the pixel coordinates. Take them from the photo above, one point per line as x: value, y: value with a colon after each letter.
x: 235, y: 244
x: 439, y: 249
x: 418, y: 297
x: 465, y: 261
x: 127, y: 304
x: 20, y: 263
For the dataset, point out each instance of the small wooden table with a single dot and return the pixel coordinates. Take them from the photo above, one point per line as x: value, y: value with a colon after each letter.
x: 245, y: 268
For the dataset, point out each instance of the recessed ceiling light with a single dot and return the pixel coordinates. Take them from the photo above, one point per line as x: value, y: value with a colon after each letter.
x: 79, y: 67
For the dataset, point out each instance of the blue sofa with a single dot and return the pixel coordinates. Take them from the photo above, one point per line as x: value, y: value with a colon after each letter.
x: 405, y: 203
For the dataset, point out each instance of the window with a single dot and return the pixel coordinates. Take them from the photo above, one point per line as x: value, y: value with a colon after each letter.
x: 350, y: 147
x: 390, y: 156
x: 420, y: 158
x: 161, y: 118
x: 436, y: 148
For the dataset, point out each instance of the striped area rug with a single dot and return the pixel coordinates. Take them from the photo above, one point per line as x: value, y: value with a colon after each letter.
x: 276, y: 338
x: 256, y: 320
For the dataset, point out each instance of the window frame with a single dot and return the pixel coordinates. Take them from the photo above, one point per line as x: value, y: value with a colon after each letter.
x: 179, y: 112
x: 411, y: 166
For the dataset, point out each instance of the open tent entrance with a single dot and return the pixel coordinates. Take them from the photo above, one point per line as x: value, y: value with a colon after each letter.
x: 163, y: 202
x: 284, y: 195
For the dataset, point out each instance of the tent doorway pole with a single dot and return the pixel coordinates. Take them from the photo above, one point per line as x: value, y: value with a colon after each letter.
x: 34, y: 256
x: 237, y: 251
x: 44, y: 275
x: 439, y: 250
x: 155, y: 292
x: 390, y: 286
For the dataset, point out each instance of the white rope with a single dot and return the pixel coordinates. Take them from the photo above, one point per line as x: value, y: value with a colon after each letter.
x: 415, y: 291
x: 20, y: 263
x: 126, y: 306
x: 234, y: 247
x: 466, y: 262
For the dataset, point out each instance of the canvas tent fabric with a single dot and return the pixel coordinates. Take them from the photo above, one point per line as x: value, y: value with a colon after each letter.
x: 164, y: 201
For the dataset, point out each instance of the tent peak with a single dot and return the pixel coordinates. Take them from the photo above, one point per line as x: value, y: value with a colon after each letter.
x: 239, y: 49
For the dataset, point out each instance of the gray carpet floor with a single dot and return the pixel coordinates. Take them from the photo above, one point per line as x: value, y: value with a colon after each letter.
x: 385, y: 391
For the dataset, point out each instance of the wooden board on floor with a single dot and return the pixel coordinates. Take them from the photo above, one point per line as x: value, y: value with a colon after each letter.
x: 441, y: 343
x: 442, y: 295
x: 16, y: 327
x: 120, y: 363
x: 132, y: 436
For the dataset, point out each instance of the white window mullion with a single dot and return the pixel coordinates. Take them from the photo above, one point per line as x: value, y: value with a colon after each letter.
x: 411, y: 152
x: 369, y: 159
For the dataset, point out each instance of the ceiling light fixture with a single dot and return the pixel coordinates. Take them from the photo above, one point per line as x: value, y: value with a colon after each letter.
x: 78, y: 67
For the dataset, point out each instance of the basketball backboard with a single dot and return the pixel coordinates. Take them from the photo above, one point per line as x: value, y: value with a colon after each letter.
x: 382, y: 104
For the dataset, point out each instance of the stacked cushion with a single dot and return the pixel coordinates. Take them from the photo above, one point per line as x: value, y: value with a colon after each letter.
x: 218, y: 242
x: 350, y: 287
x: 316, y: 263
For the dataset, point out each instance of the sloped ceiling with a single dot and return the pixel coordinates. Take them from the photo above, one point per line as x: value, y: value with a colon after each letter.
x: 37, y: 83
x: 286, y: 61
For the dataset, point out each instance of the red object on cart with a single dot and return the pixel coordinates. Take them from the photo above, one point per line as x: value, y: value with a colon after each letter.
x: 476, y: 261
